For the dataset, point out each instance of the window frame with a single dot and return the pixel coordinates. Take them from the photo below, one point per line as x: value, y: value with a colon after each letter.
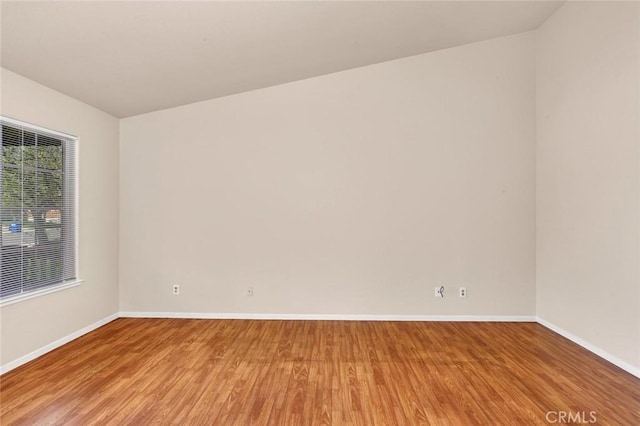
x: 65, y: 284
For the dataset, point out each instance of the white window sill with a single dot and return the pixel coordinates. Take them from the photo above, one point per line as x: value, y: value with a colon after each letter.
x: 37, y: 293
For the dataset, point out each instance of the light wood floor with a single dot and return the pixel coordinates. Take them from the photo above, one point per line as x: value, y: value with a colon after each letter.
x: 234, y: 372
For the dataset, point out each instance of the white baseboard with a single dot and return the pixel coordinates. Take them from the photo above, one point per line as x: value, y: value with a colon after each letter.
x: 51, y: 346
x: 330, y: 317
x: 426, y: 318
x: 591, y: 348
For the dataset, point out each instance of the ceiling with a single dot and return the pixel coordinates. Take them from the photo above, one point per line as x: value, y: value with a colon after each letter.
x: 129, y: 58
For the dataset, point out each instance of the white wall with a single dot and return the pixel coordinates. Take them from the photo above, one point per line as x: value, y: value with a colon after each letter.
x: 352, y: 193
x: 588, y: 170
x: 29, y: 325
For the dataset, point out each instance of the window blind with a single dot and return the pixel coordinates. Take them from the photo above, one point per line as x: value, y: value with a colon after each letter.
x: 37, y: 209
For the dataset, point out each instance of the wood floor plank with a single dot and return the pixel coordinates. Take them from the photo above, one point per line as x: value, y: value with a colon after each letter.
x: 235, y: 372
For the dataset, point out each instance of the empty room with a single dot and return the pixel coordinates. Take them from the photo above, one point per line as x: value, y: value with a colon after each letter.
x: 320, y: 213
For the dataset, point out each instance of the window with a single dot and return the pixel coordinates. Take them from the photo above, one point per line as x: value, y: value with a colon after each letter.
x: 37, y: 210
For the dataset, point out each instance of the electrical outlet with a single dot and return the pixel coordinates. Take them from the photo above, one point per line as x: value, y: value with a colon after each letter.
x: 462, y: 292
x: 249, y: 291
x: 176, y: 289
x: 439, y: 292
